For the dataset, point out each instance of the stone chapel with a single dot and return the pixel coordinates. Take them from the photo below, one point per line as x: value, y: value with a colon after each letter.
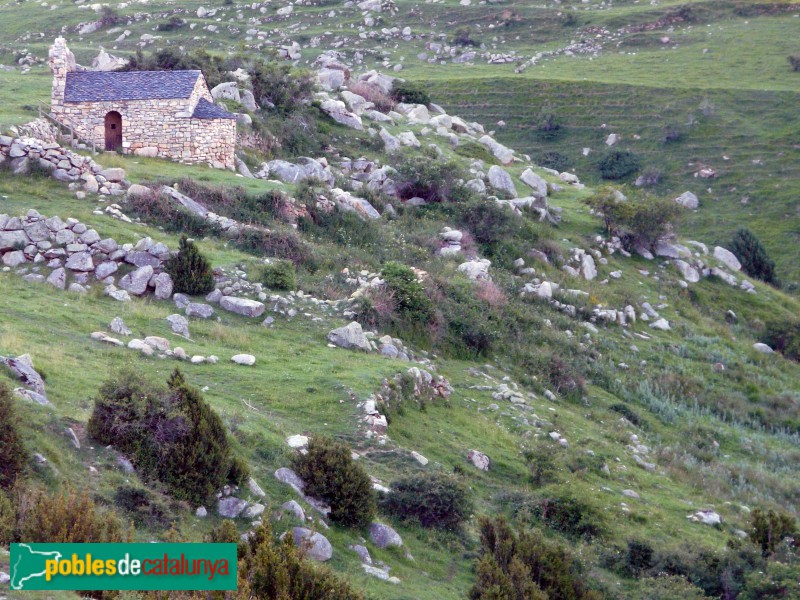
x: 170, y: 114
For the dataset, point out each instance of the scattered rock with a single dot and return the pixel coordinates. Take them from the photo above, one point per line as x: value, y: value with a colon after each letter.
x: 231, y: 507
x: 244, y: 359
x: 688, y: 200
x: 384, y: 536
x: 727, y: 258
x: 762, y: 348
x: 315, y: 545
x: 293, y: 507
x: 479, y: 459
x: 242, y: 306
x: 350, y: 336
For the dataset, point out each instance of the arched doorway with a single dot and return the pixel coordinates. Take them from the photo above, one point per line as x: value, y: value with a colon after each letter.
x: 113, y: 130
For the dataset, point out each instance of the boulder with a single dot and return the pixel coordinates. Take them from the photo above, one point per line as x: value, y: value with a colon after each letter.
x: 500, y: 152
x: 244, y: 359
x: 762, y: 348
x: 253, y: 511
x: 476, y: 269
x: 727, y: 258
x: 231, y: 507
x: 248, y: 100
x: 22, y: 367
x: 115, y: 175
x: 293, y: 507
x: 688, y: 200
x: 588, y: 269
x: 384, y: 536
x: 501, y: 180
x: 350, y: 336
x: 136, y: 282
x: 179, y: 324
x: 196, y: 309
x: 707, y: 517
x: 313, y: 544
x: 163, y: 286
x: 242, y: 306
x: 479, y: 459
x: 14, y: 259
x: 13, y: 239
x: 228, y: 90
x: 289, y: 477
x: 118, y: 326
x: 687, y: 271
x: 58, y: 278
x: 660, y: 324
x: 337, y: 111
x: 533, y: 180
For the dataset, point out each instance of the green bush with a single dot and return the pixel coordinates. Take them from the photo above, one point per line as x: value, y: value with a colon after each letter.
x: 768, y: 529
x: 12, y: 450
x: 174, y: 23
x: 753, y: 256
x: 190, y: 271
x: 639, y: 219
x: 433, y: 180
x: 274, y: 569
x: 280, y: 87
x: 67, y: 517
x: 794, y: 62
x: 224, y: 533
x: 330, y: 473
x: 618, y: 164
x: 8, y: 519
x: 669, y: 587
x: 639, y: 557
x: 570, y: 516
x: 541, y: 459
x: 410, y: 93
x: 553, y: 160
x: 784, y: 336
x: 525, y: 566
x: 547, y: 125
x: 141, y: 506
x: 171, y: 435
x: 463, y: 37
x: 278, y: 275
x: 434, y: 500
x: 408, y: 292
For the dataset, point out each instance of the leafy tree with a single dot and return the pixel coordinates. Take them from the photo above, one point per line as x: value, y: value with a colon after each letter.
x: 330, y: 473
x: 432, y: 499
x: 190, y: 271
x: 753, y: 256
x: 12, y: 451
x: 433, y: 180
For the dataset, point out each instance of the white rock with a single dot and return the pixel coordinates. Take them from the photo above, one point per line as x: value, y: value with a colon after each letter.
x: 244, y: 359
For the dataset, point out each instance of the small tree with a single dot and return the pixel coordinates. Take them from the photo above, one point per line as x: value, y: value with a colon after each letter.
x: 753, y: 256
x: 407, y: 291
x: 330, y: 473
x: 279, y: 275
x: 769, y: 528
x: 794, y: 61
x: 433, y: 180
x: 12, y: 451
x: 463, y: 37
x: 190, y: 271
x: 410, y: 93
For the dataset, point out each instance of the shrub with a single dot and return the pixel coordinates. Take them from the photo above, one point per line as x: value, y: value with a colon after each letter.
x: 784, y: 336
x: 171, y: 435
x: 669, y: 587
x: 407, y: 292
x: 8, y: 519
x: 67, y: 517
x: 642, y: 219
x: 547, y: 126
x: 330, y: 473
x: 463, y: 37
x: 628, y: 413
x: 280, y: 87
x: 269, y: 568
x: 224, y: 533
x: 553, y: 160
x: 410, y: 93
x: 769, y: 528
x: 541, y: 459
x: 569, y: 516
x: 638, y: 558
x: 278, y: 275
x: 141, y: 506
x: 753, y: 256
x: 650, y: 177
x: 12, y: 450
x: 190, y: 271
x: 175, y: 22
x: 618, y: 164
x: 794, y: 62
x: 434, y: 500
x: 110, y: 17
x: 431, y: 180
x: 525, y: 565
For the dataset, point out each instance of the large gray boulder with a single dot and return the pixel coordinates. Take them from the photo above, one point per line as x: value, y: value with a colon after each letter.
x: 136, y: 282
x: 536, y: 182
x: 688, y: 200
x: 228, y: 90
x: 163, y: 286
x: 231, y: 507
x: 197, y: 309
x: 727, y: 258
x: 22, y: 367
x: 80, y: 261
x: 350, y: 336
x: 14, y: 259
x: 242, y: 306
x: 289, y: 477
x: 501, y: 180
x: 687, y: 271
x: 13, y: 239
x: 337, y: 111
x: 315, y: 545
x: 384, y: 536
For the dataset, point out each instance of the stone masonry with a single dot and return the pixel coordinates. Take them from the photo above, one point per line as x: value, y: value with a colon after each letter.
x: 186, y: 127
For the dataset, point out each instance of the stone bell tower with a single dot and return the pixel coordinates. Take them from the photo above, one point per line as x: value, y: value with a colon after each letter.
x: 62, y: 61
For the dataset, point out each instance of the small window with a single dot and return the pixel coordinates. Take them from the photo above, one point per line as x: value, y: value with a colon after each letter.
x: 113, y: 126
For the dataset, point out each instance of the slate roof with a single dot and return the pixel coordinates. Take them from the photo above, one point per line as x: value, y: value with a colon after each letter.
x: 100, y: 86
x: 207, y: 110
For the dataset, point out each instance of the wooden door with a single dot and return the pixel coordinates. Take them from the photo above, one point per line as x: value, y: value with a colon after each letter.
x: 113, y: 130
